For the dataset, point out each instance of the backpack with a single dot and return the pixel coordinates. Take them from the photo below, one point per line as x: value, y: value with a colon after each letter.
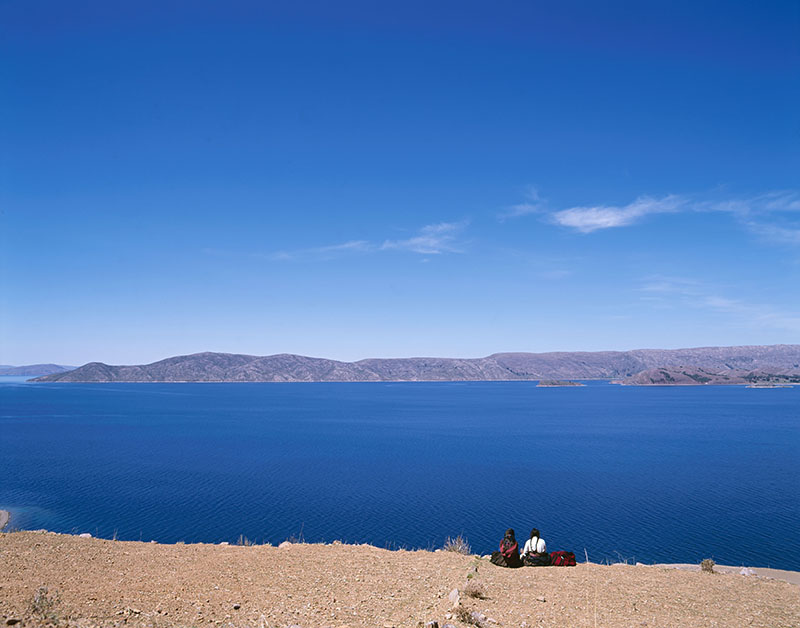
x: 562, y: 559
x: 536, y: 560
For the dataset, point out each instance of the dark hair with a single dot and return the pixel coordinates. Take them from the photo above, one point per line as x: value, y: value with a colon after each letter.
x: 510, y: 534
x: 535, y: 532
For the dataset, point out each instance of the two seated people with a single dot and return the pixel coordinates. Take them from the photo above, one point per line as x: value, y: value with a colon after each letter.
x: 534, y: 554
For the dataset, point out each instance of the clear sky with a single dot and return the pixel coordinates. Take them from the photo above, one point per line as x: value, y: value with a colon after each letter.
x: 381, y: 179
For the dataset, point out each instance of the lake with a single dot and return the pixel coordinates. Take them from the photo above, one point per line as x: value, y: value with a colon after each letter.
x: 619, y: 473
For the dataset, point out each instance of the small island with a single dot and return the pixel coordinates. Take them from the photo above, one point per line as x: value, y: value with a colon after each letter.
x: 556, y: 383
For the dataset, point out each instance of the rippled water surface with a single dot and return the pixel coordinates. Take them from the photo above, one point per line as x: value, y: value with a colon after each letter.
x: 644, y: 474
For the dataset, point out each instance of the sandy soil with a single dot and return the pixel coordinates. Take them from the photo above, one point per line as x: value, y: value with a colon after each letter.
x: 110, y: 583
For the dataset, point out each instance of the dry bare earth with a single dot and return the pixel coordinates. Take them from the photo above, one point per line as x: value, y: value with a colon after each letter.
x: 113, y: 583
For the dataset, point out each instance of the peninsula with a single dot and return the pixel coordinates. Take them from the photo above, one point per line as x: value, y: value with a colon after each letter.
x: 228, y: 367
x: 695, y: 376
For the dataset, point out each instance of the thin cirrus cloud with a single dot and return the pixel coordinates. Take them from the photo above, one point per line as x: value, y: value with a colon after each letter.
x: 769, y: 215
x: 684, y: 292
x: 443, y: 237
x: 588, y: 219
x: 533, y: 205
x: 435, y: 239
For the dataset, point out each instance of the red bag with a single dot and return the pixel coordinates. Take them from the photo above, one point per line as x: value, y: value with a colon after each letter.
x: 562, y: 559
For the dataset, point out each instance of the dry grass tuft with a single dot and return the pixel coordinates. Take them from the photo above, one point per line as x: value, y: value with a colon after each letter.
x: 44, y: 605
x: 465, y: 616
x: 457, y: 544
x: 707, y: 565
x: 475, y: 589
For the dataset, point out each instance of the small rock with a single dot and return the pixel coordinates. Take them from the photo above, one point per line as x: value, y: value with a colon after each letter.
x: 85, y: 535
x: 454, y: 597
x: 224, y: 543
x: 448, y: 626
x: 747, y: 572
x: 448, y: 615
x: 432, y: 624
x: 12, y: 621
x: 287, y: 544
x: 236, y: 607
x: 541, y: 599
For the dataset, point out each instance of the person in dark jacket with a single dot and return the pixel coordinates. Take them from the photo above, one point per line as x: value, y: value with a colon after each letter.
x: 508, y: 556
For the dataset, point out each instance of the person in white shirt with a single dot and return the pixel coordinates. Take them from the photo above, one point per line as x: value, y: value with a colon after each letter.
x: 534, y: 545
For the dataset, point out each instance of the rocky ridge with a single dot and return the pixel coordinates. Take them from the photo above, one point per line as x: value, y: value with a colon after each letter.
x: 227, y: 367
x: 695, y: 376
x: 34, y: 369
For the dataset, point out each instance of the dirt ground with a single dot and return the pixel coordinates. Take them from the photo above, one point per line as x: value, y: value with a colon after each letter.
x: 95, y: 582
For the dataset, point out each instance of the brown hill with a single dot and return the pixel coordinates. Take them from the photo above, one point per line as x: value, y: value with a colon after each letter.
x: 226, y: 367
x: 694, y: 376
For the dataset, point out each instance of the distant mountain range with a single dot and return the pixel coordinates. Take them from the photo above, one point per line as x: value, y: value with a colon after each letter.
x: 34, y: 369
x: 227, y: 367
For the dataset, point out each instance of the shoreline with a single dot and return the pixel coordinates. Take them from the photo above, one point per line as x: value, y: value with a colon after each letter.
x: 5, y: 517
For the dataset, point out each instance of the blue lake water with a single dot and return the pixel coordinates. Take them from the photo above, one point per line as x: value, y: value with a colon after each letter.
x: 644, y: 474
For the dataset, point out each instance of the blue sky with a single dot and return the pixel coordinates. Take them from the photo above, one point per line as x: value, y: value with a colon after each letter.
x: 364, y: 179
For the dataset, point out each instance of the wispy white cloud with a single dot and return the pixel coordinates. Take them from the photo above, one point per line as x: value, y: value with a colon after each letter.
x: 533, y: 204
x: 771, y: 216
x: 774, y: 232
x: 431, y: 240
x: 323, y: 252
x: 686, y: 292
x: 755, y: 314
x: 588, y: 219
x: 521, y: 209
x: 436, y: 239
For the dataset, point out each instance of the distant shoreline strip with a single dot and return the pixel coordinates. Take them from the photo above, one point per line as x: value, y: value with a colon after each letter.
x: 5, y: 516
